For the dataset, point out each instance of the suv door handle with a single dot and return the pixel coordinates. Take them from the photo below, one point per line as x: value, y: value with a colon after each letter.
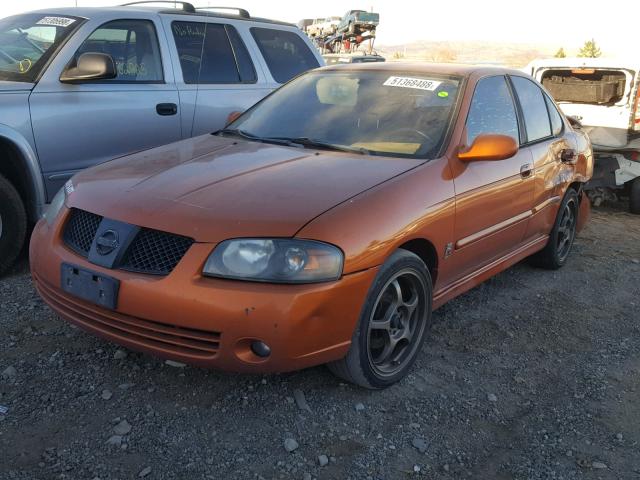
x: 167, y: 108
x: 525, y: 170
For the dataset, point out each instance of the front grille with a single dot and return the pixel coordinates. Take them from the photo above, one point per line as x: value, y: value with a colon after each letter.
x: 151, y: 251
x: 191, y: 342
x: 80, y: 231
x: 155, y: 252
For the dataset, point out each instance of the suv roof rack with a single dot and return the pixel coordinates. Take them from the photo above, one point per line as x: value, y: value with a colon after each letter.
x: 186, y: 6
x: 241, y: 11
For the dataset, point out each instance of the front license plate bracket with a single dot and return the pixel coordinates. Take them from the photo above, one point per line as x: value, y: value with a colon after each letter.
x: 90, y: 286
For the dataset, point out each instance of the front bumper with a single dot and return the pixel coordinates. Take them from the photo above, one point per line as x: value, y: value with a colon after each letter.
x: 205, y: 321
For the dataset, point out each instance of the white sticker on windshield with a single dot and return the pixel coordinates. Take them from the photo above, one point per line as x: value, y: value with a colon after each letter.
x: 409, y: 82
x: 56, y: 21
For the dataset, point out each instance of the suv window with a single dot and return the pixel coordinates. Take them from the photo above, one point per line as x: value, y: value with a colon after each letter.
x: 133, y: 45
x: 492, y: 110
x: 286, y: 54
x: 534, y: 108
x: 212, y: 53
x: 556, y: 119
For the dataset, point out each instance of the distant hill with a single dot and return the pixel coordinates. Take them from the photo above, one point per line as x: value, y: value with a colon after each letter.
x: 508, y: 54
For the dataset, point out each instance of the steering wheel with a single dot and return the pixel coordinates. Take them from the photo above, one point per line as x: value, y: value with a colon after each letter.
x: 425, y: 136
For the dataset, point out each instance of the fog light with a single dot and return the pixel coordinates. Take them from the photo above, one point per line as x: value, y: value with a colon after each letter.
x: 261, y: 349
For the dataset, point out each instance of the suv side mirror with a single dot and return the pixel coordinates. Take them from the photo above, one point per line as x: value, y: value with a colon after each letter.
x: 488, y: 147
x: 90, y: 66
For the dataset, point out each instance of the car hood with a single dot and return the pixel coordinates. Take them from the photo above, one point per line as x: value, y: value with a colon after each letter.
x: 211, y: 188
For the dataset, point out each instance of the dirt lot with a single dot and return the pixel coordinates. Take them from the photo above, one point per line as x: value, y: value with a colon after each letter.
x: 531, y: 375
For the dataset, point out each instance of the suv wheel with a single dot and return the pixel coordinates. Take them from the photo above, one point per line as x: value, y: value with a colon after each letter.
x: 393, y: 324
x: 13, y: 224
x: 555, y: 253
x: 634, y: 197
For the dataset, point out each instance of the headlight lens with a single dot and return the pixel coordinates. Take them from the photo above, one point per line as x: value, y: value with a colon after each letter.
x: 52, y: 211
x: 275, y: 260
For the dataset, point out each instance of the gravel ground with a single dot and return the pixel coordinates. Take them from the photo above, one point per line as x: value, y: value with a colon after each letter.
x: 534, y: 374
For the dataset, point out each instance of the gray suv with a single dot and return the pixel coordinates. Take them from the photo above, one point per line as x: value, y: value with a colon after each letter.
x: 80, y: 86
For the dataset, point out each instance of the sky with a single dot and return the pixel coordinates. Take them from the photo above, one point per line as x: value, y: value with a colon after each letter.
x: 561, y: 23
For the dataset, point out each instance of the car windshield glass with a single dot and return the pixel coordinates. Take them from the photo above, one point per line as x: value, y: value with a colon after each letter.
x: 28, y: 41
x: 377, y: 112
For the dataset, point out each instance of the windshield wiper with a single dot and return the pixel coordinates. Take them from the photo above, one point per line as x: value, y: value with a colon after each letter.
x: 313, y: 143
x: 249, y: 136
x: 293, y: 142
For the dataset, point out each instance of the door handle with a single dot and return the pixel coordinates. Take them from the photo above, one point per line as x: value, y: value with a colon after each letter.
x: 167, y: 108
x: 525, y: 170
x: 568, y: 155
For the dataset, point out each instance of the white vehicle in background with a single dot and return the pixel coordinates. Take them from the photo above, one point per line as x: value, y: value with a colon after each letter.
x: 603, y: 95
x: 322, y: 27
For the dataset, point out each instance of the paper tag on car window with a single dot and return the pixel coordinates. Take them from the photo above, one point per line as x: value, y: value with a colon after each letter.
x: 56, y: 21
x: 410, y: 82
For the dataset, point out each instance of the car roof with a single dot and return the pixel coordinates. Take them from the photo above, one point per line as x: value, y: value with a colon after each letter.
x: 461, y: 70
x: 108, y: 13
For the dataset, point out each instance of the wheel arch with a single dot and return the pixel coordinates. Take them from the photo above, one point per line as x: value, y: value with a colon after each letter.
x: 427, y: 252
x: 19, y: 164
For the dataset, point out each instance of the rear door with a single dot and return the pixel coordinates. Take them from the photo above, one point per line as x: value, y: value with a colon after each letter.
x: 80, y: 125
x: 216, y: 73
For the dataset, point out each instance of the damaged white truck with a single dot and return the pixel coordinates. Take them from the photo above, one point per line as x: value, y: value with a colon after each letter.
x: 602, y: 94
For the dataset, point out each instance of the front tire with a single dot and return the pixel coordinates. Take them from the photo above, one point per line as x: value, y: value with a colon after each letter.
x: 555, y: 253
x: 392, y: 326
x: 13, y: 224
x: 634, y: 197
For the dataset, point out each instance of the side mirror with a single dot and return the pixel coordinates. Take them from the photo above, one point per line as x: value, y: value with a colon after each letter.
x: 489, y: 147
x: 90, y: 66
x: 233, y: 116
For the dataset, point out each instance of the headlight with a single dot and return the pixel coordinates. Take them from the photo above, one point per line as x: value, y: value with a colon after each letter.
x: 275, y: 260
x: 52, y: 211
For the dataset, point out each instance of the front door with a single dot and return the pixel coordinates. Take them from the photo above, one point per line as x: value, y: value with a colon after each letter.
x: 80, y: 125
x: 493, y: 198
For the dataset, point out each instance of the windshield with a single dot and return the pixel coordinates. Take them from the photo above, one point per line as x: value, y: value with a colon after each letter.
x: 397, y: 114
x: 28, y: 41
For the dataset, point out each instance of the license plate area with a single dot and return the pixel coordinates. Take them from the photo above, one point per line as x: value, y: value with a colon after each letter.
x: 90, y: 286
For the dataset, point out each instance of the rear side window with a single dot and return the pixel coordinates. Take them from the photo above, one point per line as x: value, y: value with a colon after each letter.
x: 492, y: 110
x: 286, y: 54
x: 554, y: 116
x: 212, y: 53
x: 534, y: 108
x: 133, y: 45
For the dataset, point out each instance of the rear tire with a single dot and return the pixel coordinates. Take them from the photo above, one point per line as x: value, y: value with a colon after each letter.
x: 393, y: 324
x: 555, y: 253
x: 13, y: 224
x: 634, y: 197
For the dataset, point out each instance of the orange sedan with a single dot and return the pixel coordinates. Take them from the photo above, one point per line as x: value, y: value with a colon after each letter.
x: 321, y: 226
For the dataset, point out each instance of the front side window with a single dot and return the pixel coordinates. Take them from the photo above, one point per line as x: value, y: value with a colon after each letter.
x: 28, y: 41
x: 534, y: 108
x: 133, y: 45
x: 212, y: 53
x: 286, y: 54
x: 492, y: 110
x: 397, y: 114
